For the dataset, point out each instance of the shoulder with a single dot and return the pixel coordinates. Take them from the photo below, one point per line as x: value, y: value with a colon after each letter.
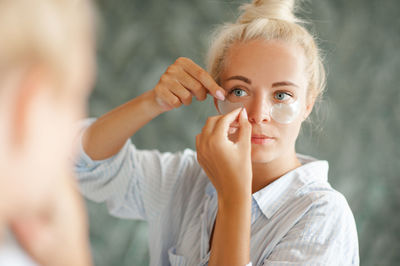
x: 326, y: 209
x: 326, y: 201
x: 312, y: 184
x: 166, y: 164
x: 323, y: 231
x: 184, y: 157
x: 328, y: 217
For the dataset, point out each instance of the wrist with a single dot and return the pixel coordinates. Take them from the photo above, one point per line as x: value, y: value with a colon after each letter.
x: 235, y: 193
x: 151, y: 105
x: 234, y: 200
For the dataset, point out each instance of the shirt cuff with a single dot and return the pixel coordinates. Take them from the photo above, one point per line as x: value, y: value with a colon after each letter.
x: 81, y: 158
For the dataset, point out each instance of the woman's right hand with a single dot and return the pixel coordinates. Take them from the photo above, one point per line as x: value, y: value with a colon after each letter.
x: 181, y: 81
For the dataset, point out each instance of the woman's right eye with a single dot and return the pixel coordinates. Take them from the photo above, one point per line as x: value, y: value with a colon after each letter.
x: 238, y: 92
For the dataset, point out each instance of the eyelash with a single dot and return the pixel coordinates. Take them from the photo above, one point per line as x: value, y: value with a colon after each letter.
x: 282, y: 92
x: 231, y: 92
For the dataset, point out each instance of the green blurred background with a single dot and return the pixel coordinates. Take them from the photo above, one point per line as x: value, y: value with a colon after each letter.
x: 356, y: 127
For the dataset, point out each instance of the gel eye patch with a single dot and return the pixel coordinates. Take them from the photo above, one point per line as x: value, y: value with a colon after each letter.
x: 283, y: 113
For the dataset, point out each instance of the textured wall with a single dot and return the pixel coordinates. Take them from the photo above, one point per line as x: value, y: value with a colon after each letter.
x: 356, y: 128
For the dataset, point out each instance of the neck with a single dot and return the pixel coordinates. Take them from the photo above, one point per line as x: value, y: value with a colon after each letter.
x: 266, y: 173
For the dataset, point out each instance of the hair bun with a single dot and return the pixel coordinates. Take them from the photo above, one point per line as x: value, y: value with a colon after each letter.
x: 268, y: 9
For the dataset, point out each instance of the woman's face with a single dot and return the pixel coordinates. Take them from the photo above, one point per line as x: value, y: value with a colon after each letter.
x: 268, y: 78
x: 32, y: 168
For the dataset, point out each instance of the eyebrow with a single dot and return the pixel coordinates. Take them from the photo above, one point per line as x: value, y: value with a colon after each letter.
x: 244, y: 79
x: 276, y: 84
x: 284, y: 83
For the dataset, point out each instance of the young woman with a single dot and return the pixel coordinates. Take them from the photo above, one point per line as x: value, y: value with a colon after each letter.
x: 46, y: 73
x: 245, y: 196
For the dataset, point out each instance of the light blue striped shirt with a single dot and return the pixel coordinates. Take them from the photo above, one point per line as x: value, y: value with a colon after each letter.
x: 299, y: 219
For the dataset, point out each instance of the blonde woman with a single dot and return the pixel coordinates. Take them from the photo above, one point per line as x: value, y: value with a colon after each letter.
x: 245, y: 197
x: 46, y: 71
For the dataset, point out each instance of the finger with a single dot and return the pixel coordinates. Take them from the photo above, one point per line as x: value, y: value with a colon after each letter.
x: 202, y: 76
x: 244, y: 129
x: 198, y: 141
x: 181, y: 92
x: 223, y: 124
x: 208, y: 128
x: 193, y: 85
x: 198, y: 145
x: 198, y: 148
x: 168, y: 98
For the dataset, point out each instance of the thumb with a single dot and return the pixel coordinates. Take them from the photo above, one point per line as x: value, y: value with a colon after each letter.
x: 244, y: 129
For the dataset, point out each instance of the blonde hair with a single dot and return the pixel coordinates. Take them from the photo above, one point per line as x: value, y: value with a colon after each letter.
x: 268, y: 20
x: 43, y: 32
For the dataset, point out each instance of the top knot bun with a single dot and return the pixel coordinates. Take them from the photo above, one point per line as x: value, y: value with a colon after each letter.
x: 268, y: 9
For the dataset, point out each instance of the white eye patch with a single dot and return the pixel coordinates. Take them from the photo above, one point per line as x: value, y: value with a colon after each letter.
x: 283, y: 113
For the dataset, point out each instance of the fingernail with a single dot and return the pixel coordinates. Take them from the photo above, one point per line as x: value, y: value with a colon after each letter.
x: 220, y: 95
x: 244, y: 113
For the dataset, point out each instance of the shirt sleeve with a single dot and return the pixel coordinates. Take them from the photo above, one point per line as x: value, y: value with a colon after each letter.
x: 325, y: 235
x: 135, y: 184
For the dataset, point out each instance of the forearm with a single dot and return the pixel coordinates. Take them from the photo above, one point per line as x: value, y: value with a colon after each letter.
x: 231, y: 240
x: 107, y: 135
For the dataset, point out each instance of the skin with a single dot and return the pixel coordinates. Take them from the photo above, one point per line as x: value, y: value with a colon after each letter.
x: 43, y: 209
x: 235, y: 164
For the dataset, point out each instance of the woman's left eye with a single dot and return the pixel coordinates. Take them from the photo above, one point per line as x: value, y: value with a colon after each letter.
x: 282, y: 96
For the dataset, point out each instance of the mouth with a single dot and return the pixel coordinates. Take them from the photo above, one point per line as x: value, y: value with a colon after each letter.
x: 261, y: 139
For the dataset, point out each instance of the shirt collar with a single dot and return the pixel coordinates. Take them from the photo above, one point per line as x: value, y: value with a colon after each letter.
x: 270, y: 198
x: 273, y: 196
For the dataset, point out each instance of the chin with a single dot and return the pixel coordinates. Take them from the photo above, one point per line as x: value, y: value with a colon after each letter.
x: 262, y: 156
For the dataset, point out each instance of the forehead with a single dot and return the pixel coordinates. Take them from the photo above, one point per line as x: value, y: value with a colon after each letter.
x: 266, y: 62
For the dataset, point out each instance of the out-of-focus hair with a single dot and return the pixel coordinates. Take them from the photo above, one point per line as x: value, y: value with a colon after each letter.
x: 42, y: 32
x: 269, y: 20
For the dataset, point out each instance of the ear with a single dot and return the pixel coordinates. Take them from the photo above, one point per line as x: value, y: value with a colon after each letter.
x: 309, y: 108
x: 216, y: 105
x: 29, y: 88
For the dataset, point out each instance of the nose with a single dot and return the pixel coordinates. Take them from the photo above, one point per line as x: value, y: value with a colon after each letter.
x: 258, y: 111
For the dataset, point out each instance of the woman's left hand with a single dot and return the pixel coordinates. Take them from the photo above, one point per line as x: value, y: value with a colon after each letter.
x: 227, y: 163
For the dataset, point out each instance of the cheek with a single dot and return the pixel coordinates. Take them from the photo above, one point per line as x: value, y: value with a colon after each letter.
x: 289, y: 133
x: 61, y: 133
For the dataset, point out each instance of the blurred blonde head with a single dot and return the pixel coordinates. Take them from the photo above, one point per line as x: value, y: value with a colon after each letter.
x: 268, y: 20
x: 43, y: 32
x: 46, y: 72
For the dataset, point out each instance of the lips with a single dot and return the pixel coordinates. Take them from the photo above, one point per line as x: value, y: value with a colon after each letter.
x: 261, y: 139
x: 256, y: 136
